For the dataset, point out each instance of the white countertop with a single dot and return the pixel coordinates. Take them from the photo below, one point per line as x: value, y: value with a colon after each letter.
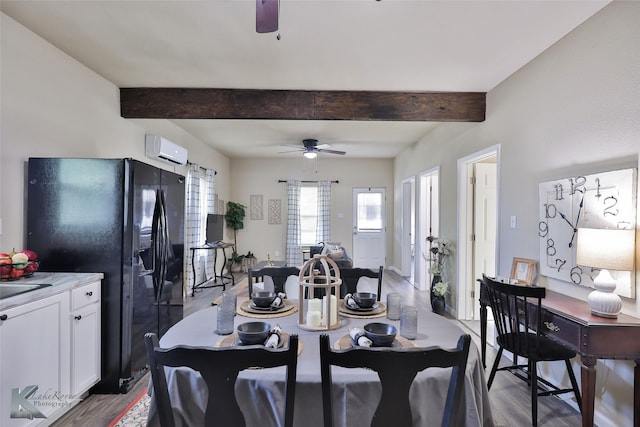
x: 59, y: 282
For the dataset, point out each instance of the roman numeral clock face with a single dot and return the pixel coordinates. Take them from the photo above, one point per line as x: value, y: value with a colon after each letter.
x: 603, y: 200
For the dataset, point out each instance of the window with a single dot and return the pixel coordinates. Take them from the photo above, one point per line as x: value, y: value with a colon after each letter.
x: 369, y: 212
x: 308, y: 214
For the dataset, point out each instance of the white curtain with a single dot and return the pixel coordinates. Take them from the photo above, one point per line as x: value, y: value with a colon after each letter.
x: 210, y: 202
x: 323, y: 229
x: 294, y: 249
x: 194, y: 224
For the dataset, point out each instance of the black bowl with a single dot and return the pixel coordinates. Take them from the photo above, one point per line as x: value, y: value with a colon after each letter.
x: 380, y: 334
x: 253, y: 332
x: 263, y: 298
x: 365, y: 299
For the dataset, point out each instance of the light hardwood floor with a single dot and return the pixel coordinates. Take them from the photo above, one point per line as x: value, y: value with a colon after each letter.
x: 510, y: 398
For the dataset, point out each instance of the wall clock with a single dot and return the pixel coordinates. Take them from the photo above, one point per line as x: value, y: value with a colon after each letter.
x: 602, y: 200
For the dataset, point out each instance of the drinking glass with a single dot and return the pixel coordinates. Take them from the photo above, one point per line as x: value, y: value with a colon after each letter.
x: 393, y: 306
x: 226, y: 312
x: 409, y: 322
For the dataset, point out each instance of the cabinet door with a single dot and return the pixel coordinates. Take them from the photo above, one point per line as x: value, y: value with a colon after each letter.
x: 85, y: 348
x: 34, y: 361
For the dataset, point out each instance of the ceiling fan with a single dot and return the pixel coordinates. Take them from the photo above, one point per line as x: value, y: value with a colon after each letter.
x: 310, y: 149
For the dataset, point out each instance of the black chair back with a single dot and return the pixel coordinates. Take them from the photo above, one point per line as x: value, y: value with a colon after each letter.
x: 279, y: 275
x: 516, y: 308
x: 351, y: 276
x: 397, y: 369
x: 219, y: 368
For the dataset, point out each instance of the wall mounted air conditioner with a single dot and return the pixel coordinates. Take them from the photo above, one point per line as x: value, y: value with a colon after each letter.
x: 159, y: 148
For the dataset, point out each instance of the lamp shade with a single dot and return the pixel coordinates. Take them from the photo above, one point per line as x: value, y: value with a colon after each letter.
x: 310, y: 154
x: 608, y: 249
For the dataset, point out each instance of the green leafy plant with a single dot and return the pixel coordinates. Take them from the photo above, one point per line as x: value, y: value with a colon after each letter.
x: 235, y: 220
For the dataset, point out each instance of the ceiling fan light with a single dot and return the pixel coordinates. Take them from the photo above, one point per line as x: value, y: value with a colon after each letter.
x: 310, y: 154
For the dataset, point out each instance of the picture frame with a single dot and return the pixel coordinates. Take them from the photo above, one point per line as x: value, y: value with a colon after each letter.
x: 522, y: 270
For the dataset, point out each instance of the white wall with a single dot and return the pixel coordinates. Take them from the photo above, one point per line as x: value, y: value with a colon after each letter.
x: 260, y: 177
x: 53, y: 106
x: 573, y: 110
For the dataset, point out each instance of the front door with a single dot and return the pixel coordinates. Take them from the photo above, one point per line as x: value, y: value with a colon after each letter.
x: 369, y: 227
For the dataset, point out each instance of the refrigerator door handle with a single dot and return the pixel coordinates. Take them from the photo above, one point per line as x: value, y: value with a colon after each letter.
x: 157, y: 247
x: 163, y: 238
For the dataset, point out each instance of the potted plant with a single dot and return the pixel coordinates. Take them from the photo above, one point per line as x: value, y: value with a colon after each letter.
x: 438, y: 303
x: 440, y: 252
x: 235, y: 221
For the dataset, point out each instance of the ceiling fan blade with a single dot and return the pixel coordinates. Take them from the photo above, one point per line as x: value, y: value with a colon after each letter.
x: 331, y: 151
x: 267, y: 15
x: 289, y: 151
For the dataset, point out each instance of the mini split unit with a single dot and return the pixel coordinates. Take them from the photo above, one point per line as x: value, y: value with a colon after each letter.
x: 159, y: 148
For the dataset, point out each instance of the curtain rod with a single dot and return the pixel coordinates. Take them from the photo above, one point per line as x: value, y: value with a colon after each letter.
x: 215, y: 172
x: 333, y: 182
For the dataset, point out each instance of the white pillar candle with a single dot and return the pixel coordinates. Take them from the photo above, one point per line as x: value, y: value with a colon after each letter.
x: 333, y: 317
x: 313, y: 318
x: 314, y: 305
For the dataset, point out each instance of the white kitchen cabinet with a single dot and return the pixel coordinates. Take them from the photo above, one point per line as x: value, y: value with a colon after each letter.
x: 85, y: 337
x: 34, y: 354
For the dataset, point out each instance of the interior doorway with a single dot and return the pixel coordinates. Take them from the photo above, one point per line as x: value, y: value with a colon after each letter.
x: 428, y: 224
x: 478, y: 180
x: 408, y: 230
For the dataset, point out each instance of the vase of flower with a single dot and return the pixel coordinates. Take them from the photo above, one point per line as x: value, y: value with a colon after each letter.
x: 436, y: 279
x: 438, y: 291
x: 438, y: 305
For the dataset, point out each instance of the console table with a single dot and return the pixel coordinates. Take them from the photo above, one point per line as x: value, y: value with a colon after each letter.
x: 206, y: 282
x: 569, y: 321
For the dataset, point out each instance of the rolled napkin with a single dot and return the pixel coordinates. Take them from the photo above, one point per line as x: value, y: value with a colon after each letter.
x: 277, y: 301
x: 350, y: 302
x: 357, y: 336
x: 273, y: 340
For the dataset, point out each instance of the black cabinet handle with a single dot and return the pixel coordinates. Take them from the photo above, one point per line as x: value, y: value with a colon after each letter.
x: 3, y: 317
x: 78, y: 317
x: 89, y: 293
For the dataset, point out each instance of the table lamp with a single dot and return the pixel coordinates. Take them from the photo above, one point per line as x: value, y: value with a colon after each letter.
x: 607, y: 250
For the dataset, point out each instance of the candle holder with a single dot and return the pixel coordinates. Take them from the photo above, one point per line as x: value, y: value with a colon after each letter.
x: 315, y: 313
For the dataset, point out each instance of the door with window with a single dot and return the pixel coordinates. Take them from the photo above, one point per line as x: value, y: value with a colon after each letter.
x: 369, y: 227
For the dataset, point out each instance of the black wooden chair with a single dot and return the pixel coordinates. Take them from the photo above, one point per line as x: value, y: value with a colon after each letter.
x: 397, y: 369
x: 351, y: 276
x: 279, y: 276
x: 219, y: 367
x: 517, y: 313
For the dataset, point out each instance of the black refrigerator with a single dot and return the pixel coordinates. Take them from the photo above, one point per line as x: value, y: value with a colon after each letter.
x: 123, y: 218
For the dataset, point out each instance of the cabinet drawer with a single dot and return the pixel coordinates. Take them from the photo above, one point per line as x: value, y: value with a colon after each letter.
x: 561, y: 330
x: 85, y: 295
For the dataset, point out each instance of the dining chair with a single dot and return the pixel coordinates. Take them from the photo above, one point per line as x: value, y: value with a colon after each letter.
x: 279, y: 276
x: 219, y: 368
x: 517, y: 313
x: 397, y: 369
x: 351, y: 276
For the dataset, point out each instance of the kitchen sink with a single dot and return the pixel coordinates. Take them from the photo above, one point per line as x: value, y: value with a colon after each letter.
x: 11, y: 289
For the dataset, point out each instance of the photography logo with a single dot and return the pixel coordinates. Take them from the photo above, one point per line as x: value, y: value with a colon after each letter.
x: 25, y: 403
x: 20, y: 405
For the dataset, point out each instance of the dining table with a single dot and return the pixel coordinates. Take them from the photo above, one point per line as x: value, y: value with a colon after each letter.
x: 356, y: 392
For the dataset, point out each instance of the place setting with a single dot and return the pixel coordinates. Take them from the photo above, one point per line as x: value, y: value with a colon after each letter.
x: 267, y: 304
x: 257, y: 333
x: 362, y: 305
x: 373, y: 335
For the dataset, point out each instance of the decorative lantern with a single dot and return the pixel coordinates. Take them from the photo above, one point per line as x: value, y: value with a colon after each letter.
x: 319, y: 311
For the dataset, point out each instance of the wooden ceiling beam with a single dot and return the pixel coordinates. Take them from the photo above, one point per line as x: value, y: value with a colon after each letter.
x: 205, y: 103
